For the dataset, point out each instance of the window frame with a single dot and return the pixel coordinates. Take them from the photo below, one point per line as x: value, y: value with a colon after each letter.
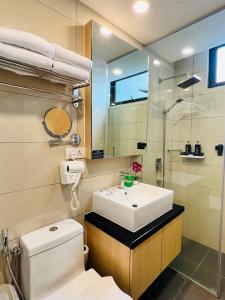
x: 213, y: 68
x: 113, y: 91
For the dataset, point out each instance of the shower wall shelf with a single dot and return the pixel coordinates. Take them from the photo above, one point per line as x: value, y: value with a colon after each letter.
x: 28, y: 70
x: 192, y: 156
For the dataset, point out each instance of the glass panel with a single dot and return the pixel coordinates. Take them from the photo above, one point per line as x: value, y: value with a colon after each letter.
x: 193, y: 114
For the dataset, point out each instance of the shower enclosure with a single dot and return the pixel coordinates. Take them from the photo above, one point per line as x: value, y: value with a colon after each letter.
x: 184, y: 109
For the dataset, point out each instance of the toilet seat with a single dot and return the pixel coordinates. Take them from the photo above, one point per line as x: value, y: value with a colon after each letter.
x: 89, y: 286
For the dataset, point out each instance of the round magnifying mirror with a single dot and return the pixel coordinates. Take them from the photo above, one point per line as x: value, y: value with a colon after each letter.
x: 57, y: 122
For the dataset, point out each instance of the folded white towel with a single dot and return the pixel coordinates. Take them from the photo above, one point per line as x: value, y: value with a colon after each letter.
x: 72, y: 58
x: 25, y: 56
x: 71, y: 71
x: 26, y: 40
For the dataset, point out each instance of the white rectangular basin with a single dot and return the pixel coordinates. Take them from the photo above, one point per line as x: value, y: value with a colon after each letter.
x: 133, y: 207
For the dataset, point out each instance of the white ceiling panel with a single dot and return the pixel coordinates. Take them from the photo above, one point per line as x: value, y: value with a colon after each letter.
x: 163, y: 17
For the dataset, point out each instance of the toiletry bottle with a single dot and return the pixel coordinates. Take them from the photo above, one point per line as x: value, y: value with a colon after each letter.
x: 188, y: 148
x: 198, y: 150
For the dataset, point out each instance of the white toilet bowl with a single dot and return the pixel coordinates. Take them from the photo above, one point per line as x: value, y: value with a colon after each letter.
x: 52, y: 266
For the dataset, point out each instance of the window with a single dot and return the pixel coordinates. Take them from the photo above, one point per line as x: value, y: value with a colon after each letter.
x: 216, y: 66
x: 129, y: 89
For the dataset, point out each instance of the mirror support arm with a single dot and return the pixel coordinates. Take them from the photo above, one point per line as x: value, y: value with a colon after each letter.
x: 73, y: 141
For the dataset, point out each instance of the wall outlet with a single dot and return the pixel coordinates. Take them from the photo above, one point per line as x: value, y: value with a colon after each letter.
x: 74, y: 153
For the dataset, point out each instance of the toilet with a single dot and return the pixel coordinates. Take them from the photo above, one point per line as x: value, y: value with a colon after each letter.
x: 52, y: 266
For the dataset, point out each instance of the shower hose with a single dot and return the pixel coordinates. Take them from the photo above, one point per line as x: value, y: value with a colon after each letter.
x: 21, y: 296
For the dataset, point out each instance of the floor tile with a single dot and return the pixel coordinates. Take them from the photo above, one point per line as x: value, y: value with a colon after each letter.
x: 194, y: 251
x: 165, y: 287
x: 206, y: 278
x: 185, y: 242
x: 191, y: 291
x: 184, y: 265
x: 211, y: 261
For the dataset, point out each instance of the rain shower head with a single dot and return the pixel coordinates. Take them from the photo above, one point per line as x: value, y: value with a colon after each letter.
x: 189, y: 82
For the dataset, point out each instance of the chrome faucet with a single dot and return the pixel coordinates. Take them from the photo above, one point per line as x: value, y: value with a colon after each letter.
x: 5, y: 242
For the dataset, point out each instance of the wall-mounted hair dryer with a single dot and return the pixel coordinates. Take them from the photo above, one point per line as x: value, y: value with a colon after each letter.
x: 70, y: 173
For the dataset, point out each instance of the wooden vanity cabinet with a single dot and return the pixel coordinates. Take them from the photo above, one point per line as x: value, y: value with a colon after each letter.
x: 145, y: 264
x: 134, y: 269
x: 171, y: 241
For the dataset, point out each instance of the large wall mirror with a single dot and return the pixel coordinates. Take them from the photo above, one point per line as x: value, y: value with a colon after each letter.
x: 120, y: 88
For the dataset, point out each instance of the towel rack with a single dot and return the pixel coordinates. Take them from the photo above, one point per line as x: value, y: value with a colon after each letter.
x: 25, y: 69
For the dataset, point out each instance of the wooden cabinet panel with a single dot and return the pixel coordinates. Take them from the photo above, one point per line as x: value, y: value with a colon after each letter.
x: 108, y: 256
x: 171, y: 241
x: 145, y: 264
x: 134, y: 269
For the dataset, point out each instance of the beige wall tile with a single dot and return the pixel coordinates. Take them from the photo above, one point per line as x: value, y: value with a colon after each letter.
x: 128, y: 131
x: 91, y: 184
x: 116, y: 132
x: 181, y: 130
x: 128, y: 147
x: 208, y: 129
x: 128, y: 114
x: 30, y: 209
x: 26, y: 165
x: 142, y: 113
x: 204, y: 227
x: 106, y: 166
x: 141, y: 131
x: 21, y: 117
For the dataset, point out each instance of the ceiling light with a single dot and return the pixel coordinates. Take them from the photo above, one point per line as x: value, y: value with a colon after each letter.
x: 156, y: 62
x: 188, y: 51
x: 140, y: 6
x: 105, y: 31
x: 117, y: 72
x: 169, y: 91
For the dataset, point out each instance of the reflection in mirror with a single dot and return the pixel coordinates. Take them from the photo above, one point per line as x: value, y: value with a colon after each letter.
x: 119, y: 96
x: 57, y: 122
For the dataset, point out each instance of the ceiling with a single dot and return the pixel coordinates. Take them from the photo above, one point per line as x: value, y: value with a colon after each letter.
x: 201, y: 36
x: 163, y: 17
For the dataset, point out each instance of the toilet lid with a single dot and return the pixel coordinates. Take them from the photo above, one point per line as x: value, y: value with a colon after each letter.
x: 89, y: 286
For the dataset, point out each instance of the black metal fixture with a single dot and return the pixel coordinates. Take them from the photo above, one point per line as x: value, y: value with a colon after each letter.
x: 219, y: 149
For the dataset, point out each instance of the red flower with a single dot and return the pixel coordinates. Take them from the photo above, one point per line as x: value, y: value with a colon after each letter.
x: 136, y: 167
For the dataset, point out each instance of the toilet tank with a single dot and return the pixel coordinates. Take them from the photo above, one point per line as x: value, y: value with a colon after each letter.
x: 51, y: 257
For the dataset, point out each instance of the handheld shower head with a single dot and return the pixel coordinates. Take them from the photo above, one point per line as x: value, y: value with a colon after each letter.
x: 5, y: 245
x: 165, y: 112
x: 179, y: 100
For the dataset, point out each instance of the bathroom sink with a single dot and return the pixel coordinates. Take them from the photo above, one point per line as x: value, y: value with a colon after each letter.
x: 133, y: 207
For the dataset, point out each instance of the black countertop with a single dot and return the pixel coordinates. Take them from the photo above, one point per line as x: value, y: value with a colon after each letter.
x: 128, y: 238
